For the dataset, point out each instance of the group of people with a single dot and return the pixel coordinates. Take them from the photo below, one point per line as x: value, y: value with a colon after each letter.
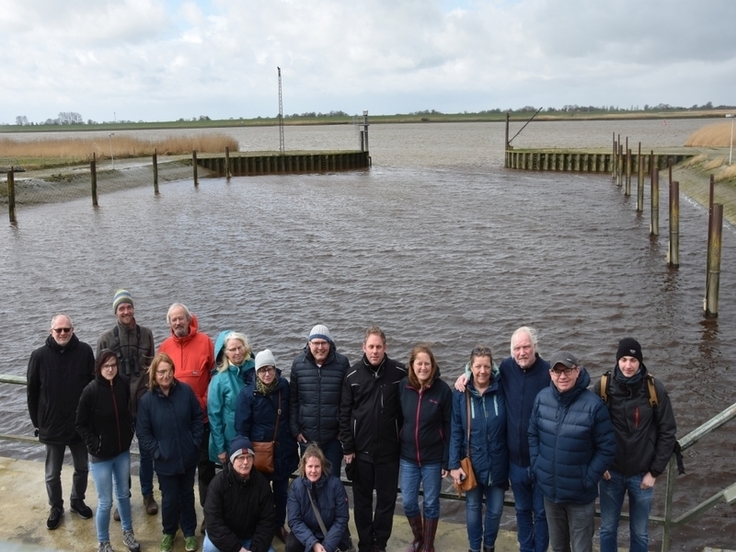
x: 228, y: 416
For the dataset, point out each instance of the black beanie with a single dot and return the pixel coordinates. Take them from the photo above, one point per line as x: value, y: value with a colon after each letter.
x: 629, y: 346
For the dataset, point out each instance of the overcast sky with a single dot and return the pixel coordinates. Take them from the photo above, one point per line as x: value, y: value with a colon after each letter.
x: 163, y: 60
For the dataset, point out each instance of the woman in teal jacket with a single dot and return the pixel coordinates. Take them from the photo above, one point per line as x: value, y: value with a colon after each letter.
x: 235, y: 368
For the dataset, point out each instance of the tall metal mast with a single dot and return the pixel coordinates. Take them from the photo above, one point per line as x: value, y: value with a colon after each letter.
x: 281, y: 116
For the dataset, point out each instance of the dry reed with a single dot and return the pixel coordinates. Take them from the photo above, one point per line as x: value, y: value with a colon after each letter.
x: 122, y: 146
x: 716, y: 135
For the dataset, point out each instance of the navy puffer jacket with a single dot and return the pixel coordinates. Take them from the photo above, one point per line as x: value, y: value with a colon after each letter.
x: 488, y: 449
x: 331, y: 500
x: 571, y: 442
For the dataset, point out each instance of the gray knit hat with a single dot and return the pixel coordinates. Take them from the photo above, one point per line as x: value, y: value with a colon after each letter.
x: 265, y: 358
x: 121, y: 296
x: 320, y: 331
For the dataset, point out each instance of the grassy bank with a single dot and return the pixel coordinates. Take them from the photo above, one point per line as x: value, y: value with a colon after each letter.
x: 694, y: 179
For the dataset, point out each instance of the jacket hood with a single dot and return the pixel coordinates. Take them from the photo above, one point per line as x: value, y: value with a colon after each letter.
x: 220, y: 344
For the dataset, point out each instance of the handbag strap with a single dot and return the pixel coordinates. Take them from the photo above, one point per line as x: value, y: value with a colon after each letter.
x: 316, y: 513
x: 467, y: 406
x: 278, y: 416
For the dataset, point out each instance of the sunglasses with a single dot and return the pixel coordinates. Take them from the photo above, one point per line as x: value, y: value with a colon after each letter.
x: 61, y: 330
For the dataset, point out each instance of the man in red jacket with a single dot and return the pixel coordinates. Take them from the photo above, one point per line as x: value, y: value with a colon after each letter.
x: 193, y: 356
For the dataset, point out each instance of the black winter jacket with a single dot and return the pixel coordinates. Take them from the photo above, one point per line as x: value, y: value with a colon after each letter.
x: 56, y: 377
x: 314, y: 407
x: 645, y: 437
x: 427, y: 414
x: 370, y: 411
x: 238, y: 508
x: 103, y: 417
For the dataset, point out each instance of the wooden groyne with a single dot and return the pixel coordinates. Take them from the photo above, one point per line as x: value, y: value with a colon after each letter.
x: 251, y: 164
x: 583, y: 161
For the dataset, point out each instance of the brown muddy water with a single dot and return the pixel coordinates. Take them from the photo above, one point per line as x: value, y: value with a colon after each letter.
x: 437, y: 242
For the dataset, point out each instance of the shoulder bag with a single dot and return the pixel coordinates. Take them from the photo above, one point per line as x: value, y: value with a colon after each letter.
x: 264, y: 461
x: 469, y: 482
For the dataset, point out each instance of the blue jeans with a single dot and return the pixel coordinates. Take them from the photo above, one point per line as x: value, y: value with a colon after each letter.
x: 478, y: 534
x: 612, y: 500
x: 571, y: 526
x: 104, y: 474
x: 177, y: 502
x: 429, y: 476
x: 207, y: 545
x: 531, y: 521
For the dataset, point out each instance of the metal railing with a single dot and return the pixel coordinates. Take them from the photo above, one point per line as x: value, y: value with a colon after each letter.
x: 668, y: 521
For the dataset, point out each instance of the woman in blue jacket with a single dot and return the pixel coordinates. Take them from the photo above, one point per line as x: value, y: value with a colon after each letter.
x: 488, y: 450
x: 260, y: 404
x: 329, y: 498
x: 234, y: 369
x: 170, y: 426
x: 426, y: 403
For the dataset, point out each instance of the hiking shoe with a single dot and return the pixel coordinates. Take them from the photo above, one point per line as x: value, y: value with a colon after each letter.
x: 167, y: 543
x: 116, y: 515
x: 81, y: 509
x: 150, y: 503
x: 130, y: 542
x: 190, y: 544
x: 54, y: 517
x: 104, y: 546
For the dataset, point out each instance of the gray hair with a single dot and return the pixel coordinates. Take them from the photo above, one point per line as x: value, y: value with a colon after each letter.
x: 528, y: 330
x: 53, y: 319
x: 224, y: 363
x: 178, y: 306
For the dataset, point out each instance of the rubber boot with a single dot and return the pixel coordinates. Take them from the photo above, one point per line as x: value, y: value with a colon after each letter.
x: 430, y: 530
x: 415, y: 522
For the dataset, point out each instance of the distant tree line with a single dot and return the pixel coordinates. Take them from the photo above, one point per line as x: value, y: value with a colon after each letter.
x: 73, y: 118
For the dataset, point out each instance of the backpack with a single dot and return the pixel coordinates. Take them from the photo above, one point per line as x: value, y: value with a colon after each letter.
x: 653, y: 402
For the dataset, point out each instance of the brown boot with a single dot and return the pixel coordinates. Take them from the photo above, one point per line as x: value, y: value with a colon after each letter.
x: 415, y: 522
x: 150, y: 504
x: 430, y: 530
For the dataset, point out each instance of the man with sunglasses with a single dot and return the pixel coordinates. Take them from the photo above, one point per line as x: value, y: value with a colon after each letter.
x: 57, y: 373
x: 571, y: 445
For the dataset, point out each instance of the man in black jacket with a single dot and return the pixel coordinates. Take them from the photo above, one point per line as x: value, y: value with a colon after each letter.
x: 239, y: 505
x: 58, y: 372
x: 370, y: 418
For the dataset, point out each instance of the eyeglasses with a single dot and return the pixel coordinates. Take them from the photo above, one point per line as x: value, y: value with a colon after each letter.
x: 566, y: 371
x: 235, y: 349
x: 111, y: 366
x: 61, y: 330
x: 266, y: 370
x: 319, y: 344
x: 163, y: 372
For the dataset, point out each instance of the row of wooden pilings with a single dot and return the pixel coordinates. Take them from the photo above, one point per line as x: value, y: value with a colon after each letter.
x: 579, y: 161
x: 624, y: 163
x: 242, y: 164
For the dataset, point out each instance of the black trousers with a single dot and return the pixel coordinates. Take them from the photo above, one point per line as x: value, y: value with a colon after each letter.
x: 374, y: 525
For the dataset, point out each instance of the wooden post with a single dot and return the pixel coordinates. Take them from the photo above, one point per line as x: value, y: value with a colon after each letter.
x: 620, y: 165
x: 627, y: 189
x: 613, y: 157
x: 155, y: 171
x: 710, y: 223
x: 227, y: 162
x: 506, y: 136
x: 654, y: 223
x: 640, y: 182
x: 93, y: 173
x: 11, y: 196
x: 194, y: 168
x: 714, y: 262
x: 673, y: 255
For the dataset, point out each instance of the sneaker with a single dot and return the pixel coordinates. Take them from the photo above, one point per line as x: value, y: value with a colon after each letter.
x: 104, y: 546
x: 190, y: 544
x: 81, y: 509
x: 130, y: 542
x: 116, y: 515
x: 54, y: 517
x: 167, y: 543
x: 150, y: 503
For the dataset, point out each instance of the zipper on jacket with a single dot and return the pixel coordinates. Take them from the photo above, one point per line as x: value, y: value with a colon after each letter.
x: 117, y: 419
x: 416, y: 425
x: 636, y: 417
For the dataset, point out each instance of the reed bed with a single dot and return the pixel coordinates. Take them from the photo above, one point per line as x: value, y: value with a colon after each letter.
x: 716, y: 135
x: 122, y: 147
